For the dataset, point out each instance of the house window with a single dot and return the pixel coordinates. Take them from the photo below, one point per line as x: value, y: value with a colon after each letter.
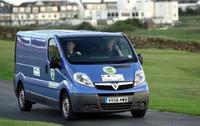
x: 69, y: 7
x: 55, y: 8
x: 63, y: 8
x: 75, y: 8
x: 136, y: 14
x: 125, y: 14
x: 42, y: 9
x: 53, y: 51
x: 35, y: 9
x: 28, y: 16
x: 142, y: 14
x: 21, y: 9
x: 113, y: 14
x: 116, y: 14
x: 133, y: 14
x: 108, y: 14
x: 174, y: 15
x: 15, y: 9
x: 49, y: 9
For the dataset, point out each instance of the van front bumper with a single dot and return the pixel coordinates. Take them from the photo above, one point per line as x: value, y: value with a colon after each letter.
x: 91, y: 103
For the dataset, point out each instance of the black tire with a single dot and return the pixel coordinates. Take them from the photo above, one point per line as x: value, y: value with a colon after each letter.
x: 65, y: 107
x: 138, y: 113
x: 24, y: 104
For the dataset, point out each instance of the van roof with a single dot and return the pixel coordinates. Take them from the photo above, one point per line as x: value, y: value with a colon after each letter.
x: 64, y: 33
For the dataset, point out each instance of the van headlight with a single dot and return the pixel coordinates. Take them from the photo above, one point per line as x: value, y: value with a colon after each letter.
x: 83, y: 79
x: 139, y: 77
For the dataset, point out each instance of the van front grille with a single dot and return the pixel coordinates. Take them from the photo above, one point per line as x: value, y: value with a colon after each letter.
x: 112, y: 85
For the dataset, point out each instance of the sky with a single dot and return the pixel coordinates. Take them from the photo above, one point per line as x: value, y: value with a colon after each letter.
x: 17, y: 2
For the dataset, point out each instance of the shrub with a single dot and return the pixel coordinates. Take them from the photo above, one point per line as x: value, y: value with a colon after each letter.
x: 123, y: 26
x: 85, y: 26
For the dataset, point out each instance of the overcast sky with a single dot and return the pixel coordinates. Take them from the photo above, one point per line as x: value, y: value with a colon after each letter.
x: 17, y: 2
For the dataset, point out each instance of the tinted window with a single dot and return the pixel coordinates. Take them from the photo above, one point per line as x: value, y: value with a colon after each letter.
x: 53, y: 51
x: 90, y: 50
x: 38, y: 43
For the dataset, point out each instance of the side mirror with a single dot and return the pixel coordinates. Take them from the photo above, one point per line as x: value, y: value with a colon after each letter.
x: 55, y: 63
x: 140, y: 57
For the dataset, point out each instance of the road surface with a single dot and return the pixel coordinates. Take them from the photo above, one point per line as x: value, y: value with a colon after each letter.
x: 9, y: 109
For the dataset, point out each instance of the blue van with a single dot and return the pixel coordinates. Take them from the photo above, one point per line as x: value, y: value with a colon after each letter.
x: 79, y: 72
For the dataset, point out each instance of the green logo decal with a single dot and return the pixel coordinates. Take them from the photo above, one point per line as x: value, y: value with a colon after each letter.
x: 52, y: 74
x: 109, y: 70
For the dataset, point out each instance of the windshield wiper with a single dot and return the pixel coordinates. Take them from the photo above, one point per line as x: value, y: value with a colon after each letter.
x: 126, y: 60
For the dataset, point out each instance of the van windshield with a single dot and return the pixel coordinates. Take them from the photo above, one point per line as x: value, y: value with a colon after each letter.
x: 98, y: 50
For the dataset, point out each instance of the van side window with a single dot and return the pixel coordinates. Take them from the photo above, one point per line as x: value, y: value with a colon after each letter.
x: 53, y: 50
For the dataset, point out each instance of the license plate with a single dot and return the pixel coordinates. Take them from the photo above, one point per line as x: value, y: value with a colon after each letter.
x: 114, y: 77
x: 116, y: 100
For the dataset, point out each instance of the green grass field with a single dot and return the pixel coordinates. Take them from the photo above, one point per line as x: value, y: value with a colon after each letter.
x: 174, y: 80
x: 189, y: 30
x: 173, y: 77
x: 190, y: 21
x: 6, y: 59
x: 174, y: 33
x: 9, y: 122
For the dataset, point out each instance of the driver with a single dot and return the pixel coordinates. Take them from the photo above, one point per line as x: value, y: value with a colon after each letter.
x: 112, y: 49
x: 71, y: 49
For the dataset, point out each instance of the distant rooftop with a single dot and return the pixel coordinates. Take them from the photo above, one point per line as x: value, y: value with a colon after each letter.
x: 47, y: 3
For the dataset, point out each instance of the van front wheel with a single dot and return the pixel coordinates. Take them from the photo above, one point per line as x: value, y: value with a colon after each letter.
x: 66, y: 108
x: 24, y: 104
x: 138, y: 113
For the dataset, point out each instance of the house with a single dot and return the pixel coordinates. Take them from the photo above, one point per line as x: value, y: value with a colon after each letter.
x: 110, y: 11
x: 5, y: 13
x: 44, y: 12
x: 96, y: 12
x: 166, y: 12
x: 99, y: 11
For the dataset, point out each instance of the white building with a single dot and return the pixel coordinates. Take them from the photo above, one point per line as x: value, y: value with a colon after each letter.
x: 43, y: 12
x: 96, y: 12
x: 143, y: 9
x: 166, y: 12
x: 109, y: 11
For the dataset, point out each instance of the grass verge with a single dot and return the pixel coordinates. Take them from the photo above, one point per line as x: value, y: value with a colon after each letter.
x: 9, y: 122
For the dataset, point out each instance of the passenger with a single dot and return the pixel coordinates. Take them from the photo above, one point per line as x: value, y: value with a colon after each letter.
x: 71, y: 49
x: 112, y: 49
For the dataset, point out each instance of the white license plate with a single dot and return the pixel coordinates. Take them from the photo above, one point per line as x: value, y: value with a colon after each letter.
x: 116, y: 100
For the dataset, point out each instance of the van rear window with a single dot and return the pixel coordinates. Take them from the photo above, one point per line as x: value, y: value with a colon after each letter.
x: 38, y: 43
x: 24, y: 40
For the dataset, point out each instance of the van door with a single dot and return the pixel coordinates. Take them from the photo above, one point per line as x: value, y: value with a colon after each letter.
x: 53, y: 77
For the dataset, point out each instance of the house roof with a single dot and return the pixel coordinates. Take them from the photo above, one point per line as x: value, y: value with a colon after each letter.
x: 47, y: 3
